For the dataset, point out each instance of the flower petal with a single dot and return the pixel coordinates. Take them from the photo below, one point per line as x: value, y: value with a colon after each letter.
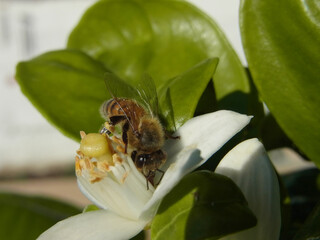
x: 250, y: 168
x: 200, y: 137
x: 172, y: 176
x: 123, y: 191
x: 97, y: 225
x: 208, y: 133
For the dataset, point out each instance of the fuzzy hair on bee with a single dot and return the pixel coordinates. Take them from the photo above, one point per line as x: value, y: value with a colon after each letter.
x: 142, y: 132
x: 151, y: 135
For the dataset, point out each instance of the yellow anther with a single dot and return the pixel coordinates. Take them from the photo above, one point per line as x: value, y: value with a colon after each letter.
x: 116, y: 158
x: 103, y: 167
x: 88, y: 164
x: 82, y: 134
x: 95, y: 179
x: 94, y: 145
x: 78, y: 166
x: 125, y: 175
x: 120, y: 148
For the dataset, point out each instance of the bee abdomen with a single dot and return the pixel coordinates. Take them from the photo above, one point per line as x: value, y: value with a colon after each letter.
x: 104, y: 109
x: 112, y: 107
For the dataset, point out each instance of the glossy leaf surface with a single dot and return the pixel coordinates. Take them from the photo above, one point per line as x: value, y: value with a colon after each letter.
x: 283, y: 54
x: 311, y: 229
x: 90, y: 208
x: 162, y: 38
x: 26, y: 218
x: 203, y: 205
x: 189, y: 85
x: 67, y: 87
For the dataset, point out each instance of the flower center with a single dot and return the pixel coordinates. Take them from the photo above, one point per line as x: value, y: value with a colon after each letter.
x: 109, y: 177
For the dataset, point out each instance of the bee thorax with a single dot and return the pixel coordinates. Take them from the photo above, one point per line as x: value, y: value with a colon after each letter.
x: 151, y: 134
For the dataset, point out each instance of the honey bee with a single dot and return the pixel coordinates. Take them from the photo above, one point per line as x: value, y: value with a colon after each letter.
x: 141, y: 131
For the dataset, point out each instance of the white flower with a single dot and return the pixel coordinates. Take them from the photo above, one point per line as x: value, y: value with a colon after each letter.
x: 127, y: 206
x: 249, y: 167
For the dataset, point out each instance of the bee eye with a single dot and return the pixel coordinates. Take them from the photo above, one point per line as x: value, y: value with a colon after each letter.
x: 141, y: 160
x: 133, y: 155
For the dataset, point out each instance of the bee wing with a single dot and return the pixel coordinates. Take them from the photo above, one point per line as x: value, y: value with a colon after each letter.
x: 149, y: 98
x: 148, y: 94
x: 119, y: 88
x: 145, y: 93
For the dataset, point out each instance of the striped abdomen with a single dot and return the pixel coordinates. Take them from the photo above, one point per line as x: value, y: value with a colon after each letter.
x: 123, y: 107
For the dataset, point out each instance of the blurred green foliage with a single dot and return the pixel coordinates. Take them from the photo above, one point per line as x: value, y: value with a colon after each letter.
x: 26, y: 217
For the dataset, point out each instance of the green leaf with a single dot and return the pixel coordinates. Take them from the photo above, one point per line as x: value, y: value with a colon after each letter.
x: 67, y: 87
x: 140, y: 236
x: 283, y: 54
x: 90, y: 208
x: 304, y: 195
x: 272, y: 135
x: 203, y: 205
x: 26, y: 218
x: 166, y: 110
x: 162, y: 38
x: 311, y: 229
x: 185, y: 92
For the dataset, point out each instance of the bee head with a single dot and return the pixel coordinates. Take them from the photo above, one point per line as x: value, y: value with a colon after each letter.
x: 154, y: 159
x: 140, y: 160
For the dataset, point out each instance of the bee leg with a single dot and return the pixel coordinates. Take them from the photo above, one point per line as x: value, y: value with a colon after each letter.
x: 114, y: 120
x: 125, y: 136
x: 147, y: 183
x: 104, y: 130
x: 149, y: 178
x: 161, y: 175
